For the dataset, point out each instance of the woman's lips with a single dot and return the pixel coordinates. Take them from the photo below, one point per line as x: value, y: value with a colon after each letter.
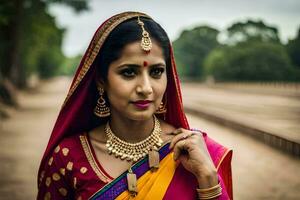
x: 142, y: 104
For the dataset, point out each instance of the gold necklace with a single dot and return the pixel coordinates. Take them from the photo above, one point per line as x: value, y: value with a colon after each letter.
x: 133, y: 151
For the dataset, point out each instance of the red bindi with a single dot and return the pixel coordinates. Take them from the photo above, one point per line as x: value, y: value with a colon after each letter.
x: 145, y: 63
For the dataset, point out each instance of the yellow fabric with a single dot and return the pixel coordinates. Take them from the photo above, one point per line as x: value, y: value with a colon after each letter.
x: 153, y: 185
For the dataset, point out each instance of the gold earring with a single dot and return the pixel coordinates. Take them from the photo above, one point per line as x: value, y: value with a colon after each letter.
x: 162, y: 108
x: 101, y: 109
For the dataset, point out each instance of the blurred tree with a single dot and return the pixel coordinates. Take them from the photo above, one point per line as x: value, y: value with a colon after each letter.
x: 254, y: 61
x: 30, y: 41
x: 254, y: 53
x: 10, y: 31
x: 9, y: 45
x: 252, y: 31
x: 21, y: 17
x: 293, y: 48
x: 191, y: 48
x: 41, y: 52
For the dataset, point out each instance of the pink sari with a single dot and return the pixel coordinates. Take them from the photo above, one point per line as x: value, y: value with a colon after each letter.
x: 76, y: 117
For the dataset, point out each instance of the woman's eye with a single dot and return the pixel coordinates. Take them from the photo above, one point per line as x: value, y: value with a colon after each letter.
x: 128, y: 72
x: 157, y: 72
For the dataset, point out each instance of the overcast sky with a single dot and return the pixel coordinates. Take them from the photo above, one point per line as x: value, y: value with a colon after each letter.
x: 177, y: 15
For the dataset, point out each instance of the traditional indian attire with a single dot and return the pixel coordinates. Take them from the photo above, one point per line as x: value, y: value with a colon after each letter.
x: 69, y: 168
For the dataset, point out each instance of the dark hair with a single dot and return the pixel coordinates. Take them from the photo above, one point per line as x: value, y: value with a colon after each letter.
x: 125, y: 33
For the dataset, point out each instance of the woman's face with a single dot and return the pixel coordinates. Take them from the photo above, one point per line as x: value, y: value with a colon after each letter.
x: 136, y: 82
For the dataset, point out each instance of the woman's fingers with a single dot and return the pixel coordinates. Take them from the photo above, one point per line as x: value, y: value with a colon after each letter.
x: 178, y: 148
x: 179, y: 130
x: 177, y: 138
x: 180, y: 135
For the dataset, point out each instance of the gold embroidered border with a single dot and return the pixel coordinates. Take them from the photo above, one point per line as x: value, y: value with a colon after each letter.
x: 223, y: 157
x: 88, y: 152
x: 96, y: 44
x: 179, y: 96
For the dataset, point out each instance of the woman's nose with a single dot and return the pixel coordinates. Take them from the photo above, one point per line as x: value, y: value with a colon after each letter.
x: 144, y: 86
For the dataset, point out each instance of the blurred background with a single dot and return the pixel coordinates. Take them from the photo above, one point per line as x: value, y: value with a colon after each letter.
x: 239, y: 63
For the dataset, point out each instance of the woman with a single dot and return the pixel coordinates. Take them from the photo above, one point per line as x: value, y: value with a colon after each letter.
x: 122, y: 133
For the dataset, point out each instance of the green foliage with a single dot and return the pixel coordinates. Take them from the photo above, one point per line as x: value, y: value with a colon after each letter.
x: 293, y: 49
x: 7, y: 10
x: 252, y: 61
x: 255, y: 54
x: 6, y: 13
x: 30, y: 41
x: 191, y: 48
x: 42, y: 44
x: 70, y: 65
x: 252, y: 31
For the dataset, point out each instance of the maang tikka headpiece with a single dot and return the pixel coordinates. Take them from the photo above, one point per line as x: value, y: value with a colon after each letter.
x: 146, y: 43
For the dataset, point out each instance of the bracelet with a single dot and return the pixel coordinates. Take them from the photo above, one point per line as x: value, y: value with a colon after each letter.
x: 210, y: 193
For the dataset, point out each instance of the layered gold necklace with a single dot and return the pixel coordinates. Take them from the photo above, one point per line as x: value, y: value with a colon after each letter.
x: 133, y: 151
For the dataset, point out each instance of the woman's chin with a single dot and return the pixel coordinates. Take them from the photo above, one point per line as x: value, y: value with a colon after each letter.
x: 142, y: 115
x: 134, y: 113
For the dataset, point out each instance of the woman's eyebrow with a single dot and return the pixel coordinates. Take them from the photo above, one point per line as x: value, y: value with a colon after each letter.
x: 129, y: 65
x: 158, y: 65
x: 138, y: 66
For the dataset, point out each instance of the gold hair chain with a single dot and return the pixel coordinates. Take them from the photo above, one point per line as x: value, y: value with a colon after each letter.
x: 133, y: 151
x: 146, y: 43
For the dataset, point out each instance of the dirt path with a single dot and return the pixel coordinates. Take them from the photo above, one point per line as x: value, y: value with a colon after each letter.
x: 23, y: 139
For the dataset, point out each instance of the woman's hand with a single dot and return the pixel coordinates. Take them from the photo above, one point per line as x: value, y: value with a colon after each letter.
x: 190, y: 149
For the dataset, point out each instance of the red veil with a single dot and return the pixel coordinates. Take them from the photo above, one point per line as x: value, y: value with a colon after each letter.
x: 76, y: 113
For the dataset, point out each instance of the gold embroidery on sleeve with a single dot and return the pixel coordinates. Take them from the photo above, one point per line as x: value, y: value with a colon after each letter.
x: 70, y: 166
x: 83, y: 170
x: 62, y: 171
x: 75, y: 183
x: 65, y: 151
x: 48, y: 181
x: 47, y: 196
x: 56, y: 150
x: 42, y: 176
x: 63, y: 191
x: 50, y: 161
x: 55, y: 176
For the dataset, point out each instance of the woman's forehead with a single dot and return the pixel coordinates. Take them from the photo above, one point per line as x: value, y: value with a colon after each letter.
x: 134, y: 50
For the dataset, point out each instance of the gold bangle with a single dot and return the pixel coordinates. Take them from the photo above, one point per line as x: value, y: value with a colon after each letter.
x: 212, y: 197
x: 209, y: 193
x: 209, y: 197
x: 217, y: 190
x: 208, y: 189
